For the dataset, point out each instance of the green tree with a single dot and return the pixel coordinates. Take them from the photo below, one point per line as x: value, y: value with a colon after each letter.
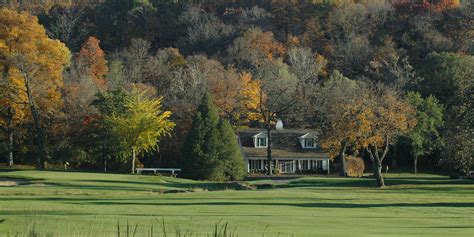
x: 234, y: 166
x: 211, y: 151
x: 447, y: 76
x: 425, y: 136
x: 109, y: 103
x: 140, y: 128
x: 201, y: 149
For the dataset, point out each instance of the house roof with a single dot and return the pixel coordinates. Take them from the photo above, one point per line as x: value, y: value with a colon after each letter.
x: 285, y: 143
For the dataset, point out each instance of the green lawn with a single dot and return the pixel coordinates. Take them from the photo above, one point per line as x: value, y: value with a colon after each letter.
x: 91, y: 204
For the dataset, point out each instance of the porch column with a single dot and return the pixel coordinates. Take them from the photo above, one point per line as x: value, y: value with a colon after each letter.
x: 294, y: 166
x: 248, y: 166
x: 262, y: 164
x: 328, y: 164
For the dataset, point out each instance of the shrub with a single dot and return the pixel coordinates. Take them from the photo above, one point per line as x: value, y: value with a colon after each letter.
x: 354, y: 166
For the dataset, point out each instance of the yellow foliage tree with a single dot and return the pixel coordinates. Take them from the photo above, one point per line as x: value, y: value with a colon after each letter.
x: 250, y: 93
x: 142, y: 126
x: 31, y: 66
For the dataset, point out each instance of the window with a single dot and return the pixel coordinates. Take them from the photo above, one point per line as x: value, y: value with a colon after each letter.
x: 261, y: 142
x: 309, y: 143
x: 320, y: 164
x: 256, y: 164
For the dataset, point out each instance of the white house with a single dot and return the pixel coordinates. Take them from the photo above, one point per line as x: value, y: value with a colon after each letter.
x: 293, y: 150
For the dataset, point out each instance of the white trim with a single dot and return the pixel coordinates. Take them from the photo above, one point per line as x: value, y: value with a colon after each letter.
x: 303, y: 143
x: 304, y: 136
x: 257, y: 144
x: 258, y: 134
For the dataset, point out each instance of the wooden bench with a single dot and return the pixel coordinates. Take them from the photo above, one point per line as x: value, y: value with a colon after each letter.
x: 155, y: 170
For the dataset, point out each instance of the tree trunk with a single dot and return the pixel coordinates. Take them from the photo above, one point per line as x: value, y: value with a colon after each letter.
x: 269, y: 149
x: 377, y: 164
x: 342, y: 155
x: 378, y: 172
x: 415, y: 164
x: 9, y: 131
x: 40, y: 136
x: 10, y: 147
x: 104, y: 160
x: 133, y: 160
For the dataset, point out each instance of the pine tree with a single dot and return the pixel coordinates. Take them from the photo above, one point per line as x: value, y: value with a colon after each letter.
x: 230, y: 153
x: 211, y: 151
x: 201, y: 149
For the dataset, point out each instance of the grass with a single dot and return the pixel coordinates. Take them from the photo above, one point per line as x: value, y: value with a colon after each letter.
x: 92, y: 204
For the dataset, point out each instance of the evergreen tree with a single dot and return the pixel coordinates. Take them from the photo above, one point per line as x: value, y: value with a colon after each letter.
x: 211, y: 151
x: 201, y: 149
x: 234, y: 166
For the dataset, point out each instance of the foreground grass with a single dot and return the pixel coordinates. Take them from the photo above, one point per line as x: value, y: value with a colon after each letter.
x: 91, y: 204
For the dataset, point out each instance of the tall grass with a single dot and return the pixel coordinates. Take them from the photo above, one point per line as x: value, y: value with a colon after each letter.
x: 157, y: 229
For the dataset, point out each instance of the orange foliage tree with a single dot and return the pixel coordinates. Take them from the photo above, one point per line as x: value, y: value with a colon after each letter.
x: 93, y: 58
x: 256, y: 48
x: 31, y: 66
x: 342, y: 110
x: 364, y: 116
x: 385, y: 117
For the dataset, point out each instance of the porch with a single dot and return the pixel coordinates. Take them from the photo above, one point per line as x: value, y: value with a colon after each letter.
x: 288, y: 165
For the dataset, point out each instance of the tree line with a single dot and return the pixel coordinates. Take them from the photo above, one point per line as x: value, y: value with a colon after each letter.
x: 104, y: 83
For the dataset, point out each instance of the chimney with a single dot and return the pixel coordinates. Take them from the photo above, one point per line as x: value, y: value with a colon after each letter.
x: 279, y: 124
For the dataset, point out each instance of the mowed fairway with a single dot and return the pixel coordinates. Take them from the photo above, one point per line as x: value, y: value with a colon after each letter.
x: 91, y: 204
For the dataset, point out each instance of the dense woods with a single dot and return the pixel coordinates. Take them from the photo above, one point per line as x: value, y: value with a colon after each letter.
x: 114, y: 84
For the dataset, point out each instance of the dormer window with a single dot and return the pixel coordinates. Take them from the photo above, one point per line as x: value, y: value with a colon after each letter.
x: 261, y: 142
x: 309, y: 143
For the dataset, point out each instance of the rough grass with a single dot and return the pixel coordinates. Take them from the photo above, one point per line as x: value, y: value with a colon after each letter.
x: 91, y: 204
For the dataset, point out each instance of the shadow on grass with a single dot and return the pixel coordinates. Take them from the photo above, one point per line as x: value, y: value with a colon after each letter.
x: 370, y: 182
x: 304, y: 205
x: 211, y: 186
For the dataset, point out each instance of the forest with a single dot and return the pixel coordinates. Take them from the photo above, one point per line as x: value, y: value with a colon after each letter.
x: 109, y: 85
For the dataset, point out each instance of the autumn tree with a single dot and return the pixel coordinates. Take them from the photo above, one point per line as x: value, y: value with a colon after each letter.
x: 341, y: 110
x: 142, y: 125
x: 13, y: 110
x: 68, y: 24
x: 93, y: 58
x: 384, y: 118
x: 276, y: 97
x: 205, y: 33
x: 33, y: 65
x: 250, y: 93
x: 306, y: 66
x: 255, y: 48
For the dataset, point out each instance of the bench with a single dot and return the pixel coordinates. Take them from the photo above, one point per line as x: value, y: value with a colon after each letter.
x: 154, y: 170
